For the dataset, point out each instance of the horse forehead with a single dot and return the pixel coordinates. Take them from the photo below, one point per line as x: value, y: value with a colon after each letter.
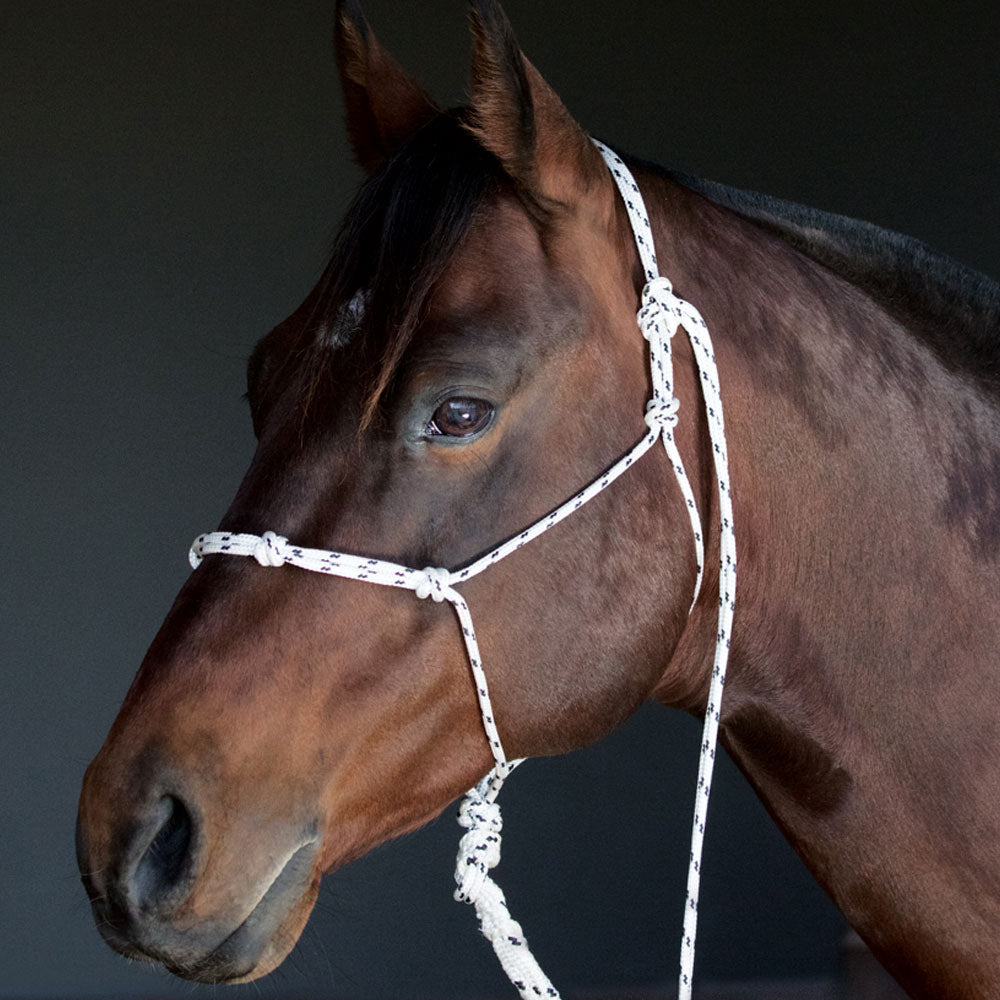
x: 500, y: 259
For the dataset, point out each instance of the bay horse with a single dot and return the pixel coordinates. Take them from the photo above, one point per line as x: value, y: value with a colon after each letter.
x: 468, y: 360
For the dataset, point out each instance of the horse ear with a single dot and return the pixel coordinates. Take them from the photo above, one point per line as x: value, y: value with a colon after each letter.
x: 384, y: 105
x: 518, y: 117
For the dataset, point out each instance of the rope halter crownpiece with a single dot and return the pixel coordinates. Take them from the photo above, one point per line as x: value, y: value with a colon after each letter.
x: 660, y: 315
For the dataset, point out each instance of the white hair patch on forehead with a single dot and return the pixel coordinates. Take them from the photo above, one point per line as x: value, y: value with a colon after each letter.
x: 338, y: 333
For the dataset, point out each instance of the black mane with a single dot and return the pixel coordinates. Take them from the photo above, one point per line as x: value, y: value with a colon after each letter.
x: 954, y: 309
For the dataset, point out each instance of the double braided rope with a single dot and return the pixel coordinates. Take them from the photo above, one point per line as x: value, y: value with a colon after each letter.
x: 661, y: 314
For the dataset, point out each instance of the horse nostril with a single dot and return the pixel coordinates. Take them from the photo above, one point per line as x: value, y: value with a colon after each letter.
x: 166, y: 862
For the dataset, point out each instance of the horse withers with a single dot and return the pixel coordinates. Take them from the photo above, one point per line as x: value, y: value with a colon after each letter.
x: 468, y: 361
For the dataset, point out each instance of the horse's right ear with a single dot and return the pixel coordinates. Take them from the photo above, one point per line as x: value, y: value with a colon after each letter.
x: 384, y: 105
x: 519, y: 118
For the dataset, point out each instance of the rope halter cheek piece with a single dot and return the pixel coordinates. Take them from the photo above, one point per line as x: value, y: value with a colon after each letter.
x: 659, y: 317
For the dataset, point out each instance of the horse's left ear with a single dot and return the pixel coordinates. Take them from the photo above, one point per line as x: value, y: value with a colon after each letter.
x: 519, y: 118
x: 384, y: 105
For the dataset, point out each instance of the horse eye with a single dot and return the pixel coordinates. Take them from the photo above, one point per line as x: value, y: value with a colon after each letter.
x: 460, y: 417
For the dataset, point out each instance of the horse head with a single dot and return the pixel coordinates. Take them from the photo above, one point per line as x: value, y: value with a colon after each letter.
x: 468, y: 360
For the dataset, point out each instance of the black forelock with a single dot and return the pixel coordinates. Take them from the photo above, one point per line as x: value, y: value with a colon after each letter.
x: 397, y: 238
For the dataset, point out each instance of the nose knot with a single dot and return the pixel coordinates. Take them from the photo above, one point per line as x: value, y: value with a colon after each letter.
x: 270, y: 550
x: 434, y: 582
x: 662, y: 413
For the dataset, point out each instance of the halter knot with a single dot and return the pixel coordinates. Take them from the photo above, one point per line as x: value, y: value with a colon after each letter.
x: 195, y: 553
x: 479, y: 849
x: 662, y: 413
x: 270, y: 550
x: 659, y: 306
x: 433, y: 583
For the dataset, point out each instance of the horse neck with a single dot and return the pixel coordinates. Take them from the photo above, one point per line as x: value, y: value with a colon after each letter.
x: 861, y: 699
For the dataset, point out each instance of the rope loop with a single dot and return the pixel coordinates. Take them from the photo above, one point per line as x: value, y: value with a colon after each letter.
x: 270, y: 550
x: 661, y: 414
x: 434, y: 582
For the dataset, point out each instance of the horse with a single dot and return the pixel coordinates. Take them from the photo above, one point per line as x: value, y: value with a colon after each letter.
x: 468, y: 360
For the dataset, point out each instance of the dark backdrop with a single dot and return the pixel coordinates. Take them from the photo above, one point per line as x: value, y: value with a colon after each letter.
x: 171, y: 175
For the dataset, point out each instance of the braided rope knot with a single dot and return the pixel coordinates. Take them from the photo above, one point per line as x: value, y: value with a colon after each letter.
x: 479, y: 848
x: 434, y: 582
x: 479, y: 852
x: 662, y: 413
x: 270, y: 550
x: 659, y: 314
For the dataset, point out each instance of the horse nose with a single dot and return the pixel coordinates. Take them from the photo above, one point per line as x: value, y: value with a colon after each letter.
x: 151, y: 869
x: 165, y: 863
x: 180, y: 879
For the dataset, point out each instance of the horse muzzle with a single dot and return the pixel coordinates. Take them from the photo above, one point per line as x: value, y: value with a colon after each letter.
x: 159, y: 894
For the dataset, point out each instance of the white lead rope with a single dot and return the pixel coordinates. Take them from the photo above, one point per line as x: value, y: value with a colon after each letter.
x: 661, y: 314
x: 683, y: 313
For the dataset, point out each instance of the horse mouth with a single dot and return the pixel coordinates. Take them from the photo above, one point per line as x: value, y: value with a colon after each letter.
x: 255, y: 947
x: 269, y: 931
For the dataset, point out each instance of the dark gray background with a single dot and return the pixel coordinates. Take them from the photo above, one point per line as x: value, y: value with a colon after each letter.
x: 171, y: 175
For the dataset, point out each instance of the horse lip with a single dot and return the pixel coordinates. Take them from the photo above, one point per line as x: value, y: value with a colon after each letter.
x: 236, y: 956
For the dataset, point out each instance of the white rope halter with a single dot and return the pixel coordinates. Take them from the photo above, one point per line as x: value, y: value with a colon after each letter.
x: 661, y: 314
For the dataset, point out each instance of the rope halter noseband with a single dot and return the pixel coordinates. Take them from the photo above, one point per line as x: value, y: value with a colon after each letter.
x: 661, y: 314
